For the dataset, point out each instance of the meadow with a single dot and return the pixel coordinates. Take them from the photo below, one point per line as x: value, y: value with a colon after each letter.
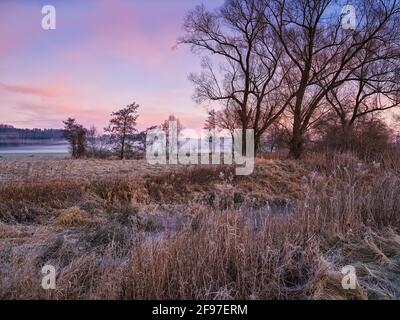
x: 129, y: 230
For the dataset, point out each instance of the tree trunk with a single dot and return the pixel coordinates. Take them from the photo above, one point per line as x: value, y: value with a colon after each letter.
x: 347, y: 136
x: 122, y: 149
x: 296, y: 143
x: 123, y: 140
x: 257, y: 142
x: 296, y: 148
x: 244, y: 141
x: 74, y: 148
x: 233, y: 145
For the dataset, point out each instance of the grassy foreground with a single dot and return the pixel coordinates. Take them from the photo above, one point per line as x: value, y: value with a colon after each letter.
x: 114, y: 231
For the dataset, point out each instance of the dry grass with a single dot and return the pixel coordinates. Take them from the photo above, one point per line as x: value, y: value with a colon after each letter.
x: 75, y: 217
x: 203, y: 233
x: 39, y: 168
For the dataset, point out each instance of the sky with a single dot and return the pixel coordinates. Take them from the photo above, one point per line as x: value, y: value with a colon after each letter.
x: 102, y: 56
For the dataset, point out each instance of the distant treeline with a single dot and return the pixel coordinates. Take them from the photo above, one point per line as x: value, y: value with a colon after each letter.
x: 13, y: 136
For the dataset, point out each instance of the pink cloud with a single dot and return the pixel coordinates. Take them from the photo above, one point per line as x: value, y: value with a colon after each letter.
x: 31, y: 90
x: 78, y: 66
x: 30, y: 113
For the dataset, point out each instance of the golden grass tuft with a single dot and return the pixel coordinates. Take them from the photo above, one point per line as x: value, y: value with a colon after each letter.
x: 73, y: 217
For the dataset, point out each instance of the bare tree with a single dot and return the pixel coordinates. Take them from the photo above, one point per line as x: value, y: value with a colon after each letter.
x: 171, y: 140
x: 92, y: 137
x: 321, y: 53
x: 211, y: 121
x: 141, y: 141
x: 211, y: 125
x: 277, y: 136
x: 248, y: 58
x: 172, y: 118
x: 122, y: 128
x: 372, y: 89
x: 228, y: 119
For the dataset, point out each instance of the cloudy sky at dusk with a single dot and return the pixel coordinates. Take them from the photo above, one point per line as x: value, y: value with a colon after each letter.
x: 103, y: 55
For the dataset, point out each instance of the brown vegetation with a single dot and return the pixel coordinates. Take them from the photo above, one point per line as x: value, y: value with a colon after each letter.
x: 283, y: 233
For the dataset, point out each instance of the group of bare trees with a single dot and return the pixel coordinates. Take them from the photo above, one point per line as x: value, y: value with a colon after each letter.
x: 120, y: 138
x: 291, y: 61
x: 283, y: 68
x: 120, y: 134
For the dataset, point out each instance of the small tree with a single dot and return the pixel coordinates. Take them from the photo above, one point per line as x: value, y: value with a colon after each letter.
x: 122, y: 127
x: 211, y: 121
x: 278, y: 137
x: 92, y: 140
x: 75, y: 134
x: 69, y: 125
x: 211, y: 125
x: 165, y: 126
x: 141, y: 142
x: 370, y: 137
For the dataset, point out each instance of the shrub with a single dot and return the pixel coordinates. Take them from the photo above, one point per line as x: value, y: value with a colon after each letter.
x: 367, y: 139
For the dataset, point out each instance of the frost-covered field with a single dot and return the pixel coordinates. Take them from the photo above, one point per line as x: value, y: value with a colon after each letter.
x: 128, y: 230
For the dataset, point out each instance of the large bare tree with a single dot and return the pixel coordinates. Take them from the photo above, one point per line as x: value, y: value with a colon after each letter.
x: 247, y: 77
x: 373, y: 88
